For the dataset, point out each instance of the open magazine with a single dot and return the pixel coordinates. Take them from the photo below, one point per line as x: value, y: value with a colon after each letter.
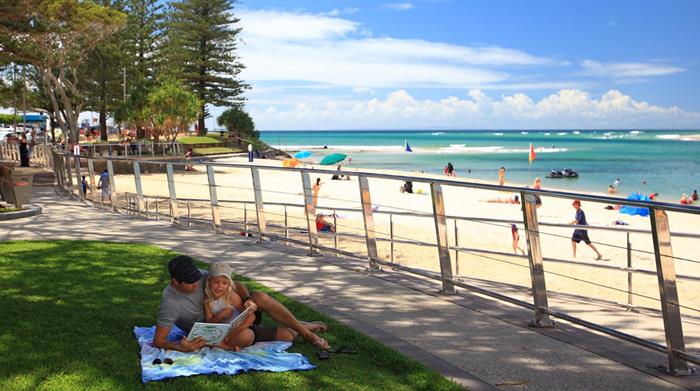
x: 214, y: 333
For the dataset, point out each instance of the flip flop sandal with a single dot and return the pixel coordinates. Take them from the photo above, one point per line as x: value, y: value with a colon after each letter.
x: 344, y: 350
x: 323, y: 354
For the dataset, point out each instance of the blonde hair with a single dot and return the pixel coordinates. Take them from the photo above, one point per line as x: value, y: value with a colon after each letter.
x: 210, y: 295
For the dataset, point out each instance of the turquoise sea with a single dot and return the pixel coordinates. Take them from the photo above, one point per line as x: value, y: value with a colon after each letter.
x: 669, y: 161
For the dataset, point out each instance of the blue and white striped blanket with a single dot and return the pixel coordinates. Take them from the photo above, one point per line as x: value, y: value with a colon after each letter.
x: 263, y: 356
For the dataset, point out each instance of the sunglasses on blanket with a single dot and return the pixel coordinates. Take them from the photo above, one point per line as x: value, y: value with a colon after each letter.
x: 168, y: 361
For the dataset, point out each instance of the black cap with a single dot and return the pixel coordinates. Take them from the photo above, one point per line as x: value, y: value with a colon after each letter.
x: 182, y: 268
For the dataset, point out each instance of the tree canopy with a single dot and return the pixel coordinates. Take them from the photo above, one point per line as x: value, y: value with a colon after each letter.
x: 238, y: 122
x: 171, y: 109
x: 201, y: 49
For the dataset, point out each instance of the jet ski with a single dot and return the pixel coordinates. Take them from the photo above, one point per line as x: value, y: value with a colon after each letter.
x: 565, y: 173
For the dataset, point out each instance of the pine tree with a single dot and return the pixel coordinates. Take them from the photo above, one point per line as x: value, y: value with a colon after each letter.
x: 201, y: 44
x: 141, y: 45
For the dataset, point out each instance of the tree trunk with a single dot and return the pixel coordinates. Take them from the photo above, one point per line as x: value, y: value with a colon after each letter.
x: 103, y: 110
x: 200, y: 122
x: 140, y: 132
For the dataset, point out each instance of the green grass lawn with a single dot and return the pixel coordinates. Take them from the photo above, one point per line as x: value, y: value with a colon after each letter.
x: 69, y: 307
x: 191, y: 140
x: 213, y: 151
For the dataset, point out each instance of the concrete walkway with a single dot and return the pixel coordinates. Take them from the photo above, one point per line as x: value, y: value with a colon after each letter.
x: 478, y: 342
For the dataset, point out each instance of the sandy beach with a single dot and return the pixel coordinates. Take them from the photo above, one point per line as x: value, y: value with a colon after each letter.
x: 285, y: 187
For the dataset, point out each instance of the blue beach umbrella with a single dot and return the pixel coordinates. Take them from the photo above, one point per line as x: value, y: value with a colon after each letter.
x: 302, y: 154
x: 333, y: 159
x: 633, y: 210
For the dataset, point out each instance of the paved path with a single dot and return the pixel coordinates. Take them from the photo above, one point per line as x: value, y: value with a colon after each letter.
x: 476, y: 341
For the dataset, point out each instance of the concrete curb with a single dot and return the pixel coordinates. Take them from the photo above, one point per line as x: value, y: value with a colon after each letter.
x: 31, y: 211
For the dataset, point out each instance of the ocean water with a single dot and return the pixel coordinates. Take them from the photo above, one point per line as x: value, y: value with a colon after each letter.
x: 669, y: 161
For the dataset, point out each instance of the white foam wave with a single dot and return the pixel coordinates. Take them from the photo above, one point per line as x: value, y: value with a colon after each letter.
x: 576, y: 132
x: 636, y: 132
x: 497, y: 134
x: 547, y: 133
x: 524, y: 132
x: 355, y: 148
x: 668, y: 136
x: 561, y: 133
x: 437, y: 133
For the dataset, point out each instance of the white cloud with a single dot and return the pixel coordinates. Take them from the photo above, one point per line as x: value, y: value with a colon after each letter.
x: 286, y: 46
x: 567, y: 108
x: 626, y: 70
x: 398, y: 6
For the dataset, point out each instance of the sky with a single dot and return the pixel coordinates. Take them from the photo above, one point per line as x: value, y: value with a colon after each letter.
x: 443, y: 64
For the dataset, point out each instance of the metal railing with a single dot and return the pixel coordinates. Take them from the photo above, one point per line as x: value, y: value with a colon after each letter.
x: 678, y: 358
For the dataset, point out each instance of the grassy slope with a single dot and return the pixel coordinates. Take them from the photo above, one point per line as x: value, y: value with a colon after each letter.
x: 69, y: 308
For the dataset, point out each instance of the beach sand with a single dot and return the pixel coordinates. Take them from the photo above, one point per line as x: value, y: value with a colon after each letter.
x: 285, y: 186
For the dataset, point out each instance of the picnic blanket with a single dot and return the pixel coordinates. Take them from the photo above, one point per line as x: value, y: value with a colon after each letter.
x: 263, y: 356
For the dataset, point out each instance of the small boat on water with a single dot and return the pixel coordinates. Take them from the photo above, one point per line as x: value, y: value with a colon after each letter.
x: 565, y: 173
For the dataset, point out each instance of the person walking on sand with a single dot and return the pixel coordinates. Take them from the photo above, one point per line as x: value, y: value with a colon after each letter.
x: 501, y: 176
x: 314, y: 191
x: 581, y: 234
x: 104, y: 184
x: 516, y: 239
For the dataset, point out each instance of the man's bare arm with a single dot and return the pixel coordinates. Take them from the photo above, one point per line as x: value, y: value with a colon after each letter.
x: 160, y: 340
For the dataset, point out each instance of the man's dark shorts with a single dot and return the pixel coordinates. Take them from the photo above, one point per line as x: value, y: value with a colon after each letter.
x: 579, y: 235
x: 263, y: 333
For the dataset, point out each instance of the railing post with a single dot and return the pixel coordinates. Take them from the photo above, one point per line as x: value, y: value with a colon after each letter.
x: 368, y: 218
x: 139, y: 189
x: 91, y: 173
x: 245, y: 218
x: 157, y: 210
x: 259, y: 206
x: 335, y: 234
x: 78, y: 179
x: 391, y: 235
x: 112, y: 188
x: 286, y: 224
x: 666, y: 273
x: 174, y: 212
x: 534, y: 252
x: 213, y: 199
x: 456, y: 249
x: 310, y: 211
x: 69, y: 171
x: 441, y: 234
x: 629, y: 273
x: 189, y: 214
x: 139, y: 149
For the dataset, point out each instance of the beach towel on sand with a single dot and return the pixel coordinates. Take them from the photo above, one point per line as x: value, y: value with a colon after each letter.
x: 263, y: 356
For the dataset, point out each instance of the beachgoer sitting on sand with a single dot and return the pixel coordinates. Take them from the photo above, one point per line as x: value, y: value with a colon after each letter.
x: 685, y: 200
x: 337, y: 177
x: 612, y: 189
x: 322, y: 225
x: 653, y: 196
x: 514, y: 200
x: 694, y: 196
x: 407, y: 187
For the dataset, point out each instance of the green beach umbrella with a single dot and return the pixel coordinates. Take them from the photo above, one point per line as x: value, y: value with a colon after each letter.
x: 333, y: 159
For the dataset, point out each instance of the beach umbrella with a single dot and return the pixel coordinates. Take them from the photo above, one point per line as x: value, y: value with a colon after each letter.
x: 302, y: 154
x: 633, y: 210
x: 333, y: 159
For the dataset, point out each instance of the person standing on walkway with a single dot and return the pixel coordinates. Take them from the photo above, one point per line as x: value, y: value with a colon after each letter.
x: 501, y: 176
x: 104, y: 185
x: 23, y: 151
x: 581, y: 234
x: 314, y: 191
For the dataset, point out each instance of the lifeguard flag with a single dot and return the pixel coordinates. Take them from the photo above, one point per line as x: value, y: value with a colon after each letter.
x: 532, y: 155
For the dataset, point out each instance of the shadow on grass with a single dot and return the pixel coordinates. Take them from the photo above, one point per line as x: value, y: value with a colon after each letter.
x: 69, y: 308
